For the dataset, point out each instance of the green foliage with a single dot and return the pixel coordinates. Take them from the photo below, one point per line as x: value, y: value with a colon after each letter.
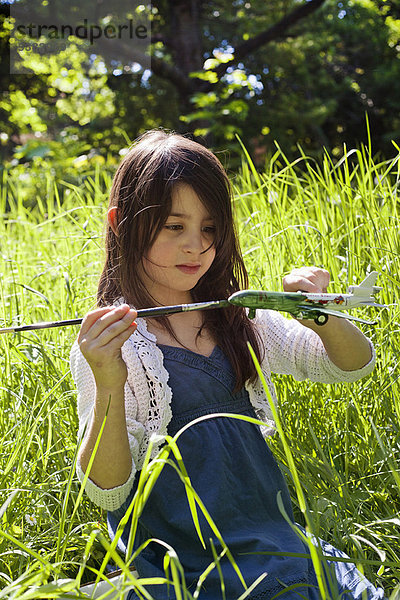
x: 341, y: 444
x: 310, y: 86
x: 344, y: 438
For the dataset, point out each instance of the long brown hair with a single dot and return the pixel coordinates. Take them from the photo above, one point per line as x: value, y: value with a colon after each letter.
x: 142, y: 192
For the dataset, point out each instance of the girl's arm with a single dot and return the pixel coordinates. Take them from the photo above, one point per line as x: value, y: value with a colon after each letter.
x: 113, y: 461
x: 100, y: 339
x: 345, y: 345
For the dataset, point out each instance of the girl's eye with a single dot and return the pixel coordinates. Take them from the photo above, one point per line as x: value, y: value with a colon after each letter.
x: 211, y: 229
x: 173, y: 227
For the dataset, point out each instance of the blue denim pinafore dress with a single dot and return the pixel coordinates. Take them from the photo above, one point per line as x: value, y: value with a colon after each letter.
x: 237, y: 478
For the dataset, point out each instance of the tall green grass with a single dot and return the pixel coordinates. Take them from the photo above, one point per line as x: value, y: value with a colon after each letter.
x: 340, y: 449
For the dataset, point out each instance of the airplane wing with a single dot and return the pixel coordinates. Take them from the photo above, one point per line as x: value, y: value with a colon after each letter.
x: 315, y: 312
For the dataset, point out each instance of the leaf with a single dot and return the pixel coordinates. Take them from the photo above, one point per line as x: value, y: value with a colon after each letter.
x: 30, y: 289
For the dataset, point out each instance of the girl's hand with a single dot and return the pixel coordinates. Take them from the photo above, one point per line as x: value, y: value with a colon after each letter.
x: 101, y: 337
x: 307, y: 279
x: 344, y: 343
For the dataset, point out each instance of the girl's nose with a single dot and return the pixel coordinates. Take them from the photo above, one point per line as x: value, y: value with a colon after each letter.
x: 194, y: 242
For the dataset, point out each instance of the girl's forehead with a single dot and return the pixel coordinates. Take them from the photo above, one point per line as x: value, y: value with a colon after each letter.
x: 184, y: 200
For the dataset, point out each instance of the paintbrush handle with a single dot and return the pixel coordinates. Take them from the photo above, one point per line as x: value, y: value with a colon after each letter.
x: 157, y: 311
x: 43, y: 325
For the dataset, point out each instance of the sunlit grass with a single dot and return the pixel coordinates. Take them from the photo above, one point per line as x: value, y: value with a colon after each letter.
x: 341, y: 444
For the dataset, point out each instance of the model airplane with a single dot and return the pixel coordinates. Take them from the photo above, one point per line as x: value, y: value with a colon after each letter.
x: 306, y: 305
x: 301, y: 305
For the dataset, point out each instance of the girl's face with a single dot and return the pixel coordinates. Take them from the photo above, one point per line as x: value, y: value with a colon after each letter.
x: 182, y: 252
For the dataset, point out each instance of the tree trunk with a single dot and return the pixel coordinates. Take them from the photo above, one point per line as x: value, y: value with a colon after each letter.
x: 185, y: 39
x: 186, y: 46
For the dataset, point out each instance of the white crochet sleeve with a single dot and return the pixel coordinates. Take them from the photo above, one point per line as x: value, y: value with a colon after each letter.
x: 293, y: 349
x: 109, y: 499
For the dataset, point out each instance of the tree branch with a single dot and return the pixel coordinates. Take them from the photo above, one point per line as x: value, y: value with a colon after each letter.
x: 163, y: 69
x: 273, y: 33
x: 158, y: 66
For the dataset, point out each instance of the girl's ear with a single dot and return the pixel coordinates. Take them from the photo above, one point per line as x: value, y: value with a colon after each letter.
x: 112, y: 217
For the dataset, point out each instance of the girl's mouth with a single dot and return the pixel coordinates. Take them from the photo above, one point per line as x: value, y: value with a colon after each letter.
x: 189, y: 269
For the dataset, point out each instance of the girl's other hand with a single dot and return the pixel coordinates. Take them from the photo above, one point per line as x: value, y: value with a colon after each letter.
x: 307, y: 279
x: 101, y: 337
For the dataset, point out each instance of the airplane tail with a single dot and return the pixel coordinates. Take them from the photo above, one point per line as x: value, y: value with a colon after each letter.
x: 367, y: 287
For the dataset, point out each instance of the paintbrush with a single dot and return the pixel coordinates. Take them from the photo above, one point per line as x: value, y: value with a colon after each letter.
x: 158, y: 311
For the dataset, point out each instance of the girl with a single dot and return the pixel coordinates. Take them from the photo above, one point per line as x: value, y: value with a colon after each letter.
x: 170, y: 240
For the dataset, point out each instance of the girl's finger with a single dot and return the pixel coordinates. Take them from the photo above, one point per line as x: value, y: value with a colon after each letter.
x: 96, y: 321
x: 295, y: 283
x: 116, y: 342
x: 115, y: 329
x: 307, y: 279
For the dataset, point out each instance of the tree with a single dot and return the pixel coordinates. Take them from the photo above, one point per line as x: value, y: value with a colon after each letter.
x: 296, y: 72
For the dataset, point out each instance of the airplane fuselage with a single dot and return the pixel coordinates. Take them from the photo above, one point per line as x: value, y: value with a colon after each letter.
x: 293, y: 301
x: 336, y: 301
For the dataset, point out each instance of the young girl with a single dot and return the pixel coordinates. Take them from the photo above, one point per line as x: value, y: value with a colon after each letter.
x: 171, y: 240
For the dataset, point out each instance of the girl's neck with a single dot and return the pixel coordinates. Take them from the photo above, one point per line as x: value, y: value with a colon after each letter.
x: 170, y: 299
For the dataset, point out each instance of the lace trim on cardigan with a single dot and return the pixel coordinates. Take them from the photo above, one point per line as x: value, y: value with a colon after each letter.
x: 149, y: 380
x: 261, y: 406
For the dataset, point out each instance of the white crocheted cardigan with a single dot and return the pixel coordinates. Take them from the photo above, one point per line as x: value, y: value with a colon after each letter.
x: 290, y: 349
